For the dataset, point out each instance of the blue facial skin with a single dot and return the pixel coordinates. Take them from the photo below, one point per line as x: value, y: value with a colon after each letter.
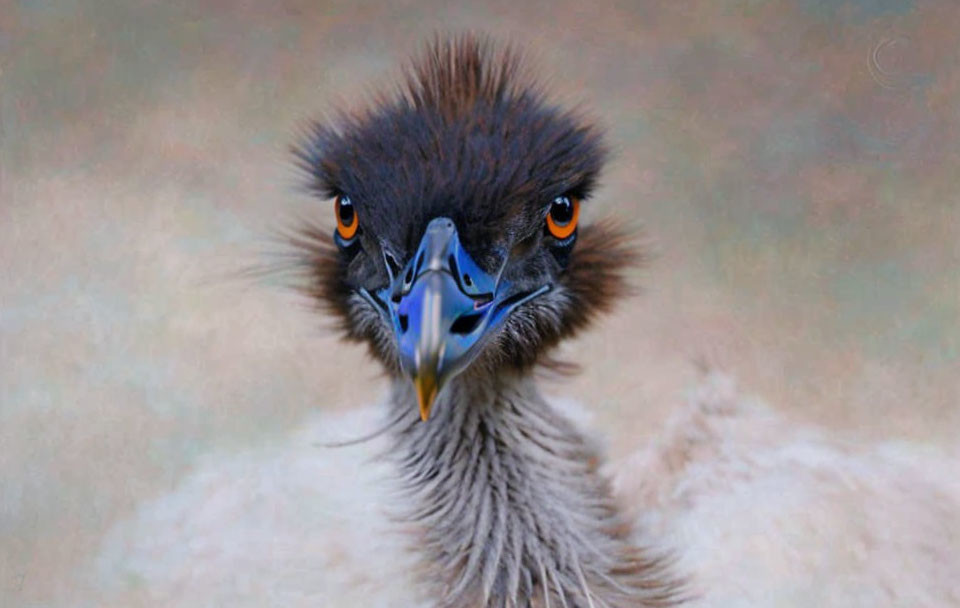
x: 443, y: 307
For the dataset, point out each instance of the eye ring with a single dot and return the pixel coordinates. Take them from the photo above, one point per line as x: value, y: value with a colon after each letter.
x: 347, y: 219
x: 563, y: 216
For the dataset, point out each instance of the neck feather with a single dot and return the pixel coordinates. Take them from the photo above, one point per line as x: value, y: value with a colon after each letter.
x: 510, y: 506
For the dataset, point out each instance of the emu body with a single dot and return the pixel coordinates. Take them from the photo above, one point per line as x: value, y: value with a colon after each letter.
x: 756, y: 510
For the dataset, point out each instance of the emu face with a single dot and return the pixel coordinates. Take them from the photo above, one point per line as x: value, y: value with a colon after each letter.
x: 458, y: 247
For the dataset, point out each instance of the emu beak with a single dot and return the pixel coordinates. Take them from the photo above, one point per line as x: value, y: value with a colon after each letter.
x: 443, y: 308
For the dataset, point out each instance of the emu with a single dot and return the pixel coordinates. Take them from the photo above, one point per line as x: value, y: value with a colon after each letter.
x: 458, y: 257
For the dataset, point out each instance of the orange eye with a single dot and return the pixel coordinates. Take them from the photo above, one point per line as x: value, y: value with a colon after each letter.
x: 347, y: 220
x: 563, y: 216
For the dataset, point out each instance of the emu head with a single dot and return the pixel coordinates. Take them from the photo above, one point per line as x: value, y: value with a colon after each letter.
x: 458, y: 246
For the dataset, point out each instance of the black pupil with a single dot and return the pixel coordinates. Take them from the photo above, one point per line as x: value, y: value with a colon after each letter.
x: 562, y: 210
x: 346, y: 211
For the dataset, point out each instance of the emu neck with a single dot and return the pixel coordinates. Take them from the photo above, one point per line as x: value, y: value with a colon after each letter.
x: 511, y: 506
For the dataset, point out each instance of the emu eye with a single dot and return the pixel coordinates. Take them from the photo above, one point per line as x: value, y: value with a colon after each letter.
x: 347, y: 220
x: 563, y: 216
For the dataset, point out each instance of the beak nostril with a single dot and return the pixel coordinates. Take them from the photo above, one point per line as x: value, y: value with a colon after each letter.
x: 466, y: 323
x: 483, y: 299
x: 404, y: 321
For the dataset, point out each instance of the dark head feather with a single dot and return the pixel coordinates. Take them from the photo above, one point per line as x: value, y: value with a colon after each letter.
x: 469, y: 136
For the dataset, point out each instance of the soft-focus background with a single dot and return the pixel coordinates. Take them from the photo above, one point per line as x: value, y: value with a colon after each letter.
x: 795, y: 164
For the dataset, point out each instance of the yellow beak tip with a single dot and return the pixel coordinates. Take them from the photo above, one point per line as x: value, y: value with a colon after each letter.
x: 426, y: 394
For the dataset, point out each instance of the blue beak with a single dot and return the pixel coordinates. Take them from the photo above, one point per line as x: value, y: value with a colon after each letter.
x: 443, y: 308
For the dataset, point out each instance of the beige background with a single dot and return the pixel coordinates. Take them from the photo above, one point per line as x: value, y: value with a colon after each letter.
x: 794, y: 164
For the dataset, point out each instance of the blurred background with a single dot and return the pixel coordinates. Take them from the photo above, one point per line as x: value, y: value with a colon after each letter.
x: 795, y: 165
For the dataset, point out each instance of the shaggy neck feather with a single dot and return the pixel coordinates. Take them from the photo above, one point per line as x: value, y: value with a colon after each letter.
x: 510, y: 504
